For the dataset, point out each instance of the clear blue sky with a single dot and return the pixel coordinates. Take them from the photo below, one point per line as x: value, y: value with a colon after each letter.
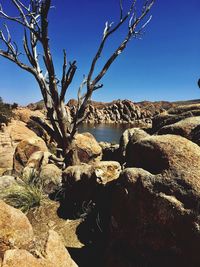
x: 164, y: 65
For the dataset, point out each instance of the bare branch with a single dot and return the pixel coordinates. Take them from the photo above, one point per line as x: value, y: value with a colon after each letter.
x: 107, y: 32
x: 64, y: 68
x: 147, y: 22
x: 131, y: 32
x: 97, y: 86
x: 46, y: 127
x: 17, y: 61
x: 121, y: 9
x: 67, y: 77
x: 34, y: 19
x: 27, y: 50
x: 23, y: 18
x: 18, y: 6
x: 81, y: 97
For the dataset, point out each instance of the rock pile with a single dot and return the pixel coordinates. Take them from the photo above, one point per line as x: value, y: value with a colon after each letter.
x: 19, y: 247
x: 130, y: 204
x: 121, y: 111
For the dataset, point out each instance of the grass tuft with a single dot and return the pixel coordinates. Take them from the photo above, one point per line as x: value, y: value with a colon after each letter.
x: 26, y: 195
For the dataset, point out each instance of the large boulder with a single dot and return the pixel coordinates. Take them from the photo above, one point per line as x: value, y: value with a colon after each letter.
x: 38, y: 159
x: 160, y: 153
x: 10, y: 136
x: 155, y: 207
x: 85, y: 149
x: 20, y: 247
x: 82, y: 183
x: 110, y: 151
x: 56, y: 253
x: 7, y: 181
x: 24, y: 114
x: 174, y: 115
x: 53, y: 253
x: 48, y: 216
x: 188, y: 128
x: 133, y: 134
x: 107, y: 171
x: 101, y: 172
x: 6, y: 151
x: 18, y: 132
x: 15, y: 228
x: 25, y: 149
x: 20, y: 258
x: 51, y: 177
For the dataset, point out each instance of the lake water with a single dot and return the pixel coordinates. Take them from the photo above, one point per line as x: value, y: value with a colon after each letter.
x: 105, y: 132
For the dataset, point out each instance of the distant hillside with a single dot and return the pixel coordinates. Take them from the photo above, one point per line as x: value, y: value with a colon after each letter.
x: 152, y: 106
x: 36, y: 106
x: 187, y: 102
x: 96, y: 104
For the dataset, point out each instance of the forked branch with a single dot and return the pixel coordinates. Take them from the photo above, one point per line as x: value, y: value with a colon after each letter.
x: 34, y: 19
x: 135, y: 28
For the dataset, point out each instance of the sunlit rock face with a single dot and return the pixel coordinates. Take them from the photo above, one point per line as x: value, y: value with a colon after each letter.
x: 10, y: 136
x: 84, y: 149
x: 119, y: 111
x: 25, y: 149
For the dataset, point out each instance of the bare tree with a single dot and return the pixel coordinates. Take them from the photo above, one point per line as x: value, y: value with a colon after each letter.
x: 34, y: 20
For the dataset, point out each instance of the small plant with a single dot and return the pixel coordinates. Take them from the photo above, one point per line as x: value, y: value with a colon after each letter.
x: 14, y: 105
x: 25, y: 195
x: 86, y: 208
x: 5, y: 112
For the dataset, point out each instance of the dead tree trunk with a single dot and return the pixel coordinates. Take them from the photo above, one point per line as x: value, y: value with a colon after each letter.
x: 34, y: 19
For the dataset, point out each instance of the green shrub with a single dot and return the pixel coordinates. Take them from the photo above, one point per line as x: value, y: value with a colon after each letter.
x: 14, y: 105
x: 25, y: 195
x: 5, y: 112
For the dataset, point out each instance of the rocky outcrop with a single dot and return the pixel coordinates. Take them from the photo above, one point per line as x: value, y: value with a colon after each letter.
x: 101, y: 172
x: 120, y: 111
x: 7, y: 181
x: 85, y: 149
x: 133, y: 135
x: 20, y: 247
x: 155, y: 205
x: 175, y: 115
x: 46, y: 218
x: 110, y: 151
x: 25, y: 149
x: 82, y: 183
x: 24, y: 114
x: 6, y: 151
x: 18, y: 131
x: 188, y: 128
x: 10, y: 136
x: 15, y: 229
x: 53, y: 254
x: 51, y: 177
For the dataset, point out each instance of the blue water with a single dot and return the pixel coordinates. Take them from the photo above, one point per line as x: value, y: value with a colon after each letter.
x: 105, y: 132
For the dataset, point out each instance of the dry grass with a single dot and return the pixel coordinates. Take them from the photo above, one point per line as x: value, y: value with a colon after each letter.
x: 25, y: 195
